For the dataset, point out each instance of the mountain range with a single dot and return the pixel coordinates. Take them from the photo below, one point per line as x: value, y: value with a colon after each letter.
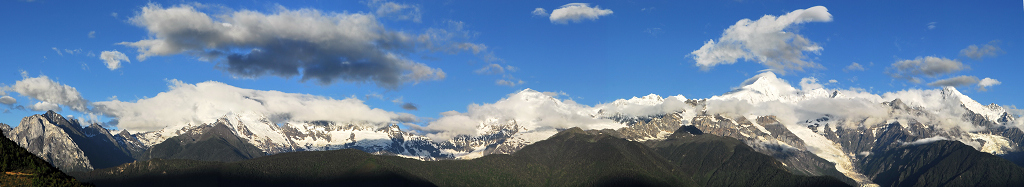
x: 810, y: 135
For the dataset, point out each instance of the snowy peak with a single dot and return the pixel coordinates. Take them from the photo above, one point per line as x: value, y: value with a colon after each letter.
x: 992, y: 113
x: 767, y: 83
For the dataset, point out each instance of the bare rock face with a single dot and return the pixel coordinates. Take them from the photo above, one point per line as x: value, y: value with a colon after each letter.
x: 41, y: 135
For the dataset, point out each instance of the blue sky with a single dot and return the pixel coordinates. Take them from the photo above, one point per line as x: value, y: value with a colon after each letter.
x: 638, y: 48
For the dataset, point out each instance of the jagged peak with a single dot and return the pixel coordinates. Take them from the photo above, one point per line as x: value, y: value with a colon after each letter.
x: 898, y: 104
x: 836, y: 94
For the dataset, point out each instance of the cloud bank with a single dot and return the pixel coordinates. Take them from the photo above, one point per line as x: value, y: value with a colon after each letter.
x: 528, y: 108
x: 320, y: 46
x: 575, y: 12
x: 765, y: 41
x: 207, y: 101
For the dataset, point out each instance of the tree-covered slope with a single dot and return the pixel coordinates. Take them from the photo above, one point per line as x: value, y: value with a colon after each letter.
x: 941, y: 163
x: 712, y: 160
x: 571, y: 158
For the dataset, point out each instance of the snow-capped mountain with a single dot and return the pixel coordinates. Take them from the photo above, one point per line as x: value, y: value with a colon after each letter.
x: 66, y: 144
x: 811, y: 130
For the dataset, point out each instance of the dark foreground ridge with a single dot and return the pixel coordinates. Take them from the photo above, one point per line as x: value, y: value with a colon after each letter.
x: 18, y: 167
x: 942, y: 163
x: 572, y: 157
x: 713, y: 160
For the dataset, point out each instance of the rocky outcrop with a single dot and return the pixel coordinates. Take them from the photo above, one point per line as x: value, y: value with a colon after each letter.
x: 43, y: 136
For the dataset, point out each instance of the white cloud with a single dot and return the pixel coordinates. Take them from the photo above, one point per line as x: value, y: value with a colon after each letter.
x: 8, y: 100
x: 987, y: 82
x: 931, y: 25
x: 809, y: 83
x: 644, y: 106
x: 50, y: 93
x: 114, y: 14
x: 73, y: 51
x: 92, y: 34
x: 397, y: 11
x: 44, y: 106
x: 509, y: 82
x: 576, y: 12
x: 205, y: 102
x: 539, y: 12
x: 832, y: 81
x: 530, y: 109
x: 988, y: 50
x: 323, y: 46
x: 766, y: 41
x: 491, y: 69
x: 925, y: 140
x: 946, y: 111
x: 57, y: 50
x: 113, y: 59
x: 853, y: 67
x: 957, y: 81
x: 929, y: 66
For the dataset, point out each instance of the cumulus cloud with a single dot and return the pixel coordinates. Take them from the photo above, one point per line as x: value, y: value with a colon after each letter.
x: 205, y: 102
x: 92, y: 34
x: 987, y: 82
x: 8, y: 100
x: 531, y: 109
x: 576, y: 12
x: 397, y: 11
x: 765, y: 41
x: 44, y: 106
x: 809, y: 83
x: 50, y: 93
x: 930, y: 66
x: 853, y: 67
x: 539, y: 12
x: 958, y: 81
x: 988, y: 50
x: 113, y: 59
x: 321, y: 46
